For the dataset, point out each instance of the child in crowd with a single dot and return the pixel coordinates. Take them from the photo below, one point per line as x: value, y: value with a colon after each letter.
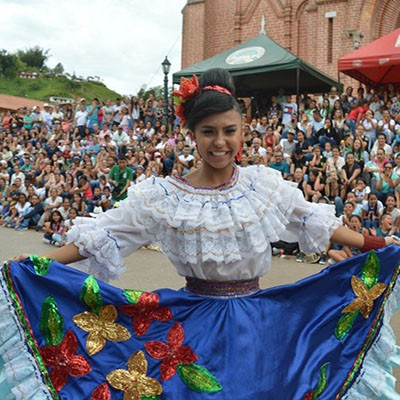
x: 371, y: 211
x: 361, y: 190
x: 53, y: 229
x: 68, y: 224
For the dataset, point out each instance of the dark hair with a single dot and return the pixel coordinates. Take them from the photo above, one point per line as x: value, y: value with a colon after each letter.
x: 359, y: 219
x: 58, y: 213
x: 208, y: 102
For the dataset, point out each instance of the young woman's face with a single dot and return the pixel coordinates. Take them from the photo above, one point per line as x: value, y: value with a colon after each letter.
x: 390, y: 202
x: 350, y: 159
x: 218, y: 138
x: 373, y: 200
x: 56, y: 217
x: 348, y: 208
x: 72, y: 214
x: 355, y: 224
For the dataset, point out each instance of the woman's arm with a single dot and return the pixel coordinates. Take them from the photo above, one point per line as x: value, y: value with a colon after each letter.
x: 346, y: 237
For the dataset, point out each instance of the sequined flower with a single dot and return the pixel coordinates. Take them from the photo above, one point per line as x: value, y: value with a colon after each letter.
x: 365, y: 297
x: 171, y: 353
x: 147, y: 309
x: 134, y: 382
x: 101, y: 328
x: 63, y: 361
x: 102, y: 392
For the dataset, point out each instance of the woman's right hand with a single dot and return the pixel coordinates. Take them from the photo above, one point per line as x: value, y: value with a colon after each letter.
x: 20, y: 257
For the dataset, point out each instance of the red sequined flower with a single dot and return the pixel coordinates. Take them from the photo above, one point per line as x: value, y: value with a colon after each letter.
x: 171, y: 353
x: 187, y: 89
x: 63, y: 360
x: 144, y: 311
x: 102, y: 392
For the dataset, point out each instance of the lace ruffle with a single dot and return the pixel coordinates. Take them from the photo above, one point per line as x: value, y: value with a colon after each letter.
x: 104, y: 258
x: 376, y: 380
x: 196, y: 226
x: 19, y: 368
x: 201, y: 225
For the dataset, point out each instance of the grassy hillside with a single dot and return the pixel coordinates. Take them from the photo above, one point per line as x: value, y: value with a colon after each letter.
x: 43, y: 88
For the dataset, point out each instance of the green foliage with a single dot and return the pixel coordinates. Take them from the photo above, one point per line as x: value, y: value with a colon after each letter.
x: 8, y: 64
x: 42, y: 88
x: 34, y: 57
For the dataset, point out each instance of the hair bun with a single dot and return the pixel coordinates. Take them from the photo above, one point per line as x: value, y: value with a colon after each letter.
x: 217, y: 77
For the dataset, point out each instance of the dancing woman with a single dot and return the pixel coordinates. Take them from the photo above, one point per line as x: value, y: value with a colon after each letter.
x: 69, y: 335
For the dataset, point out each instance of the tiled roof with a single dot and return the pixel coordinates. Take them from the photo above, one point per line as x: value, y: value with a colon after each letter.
x: 13, y: 103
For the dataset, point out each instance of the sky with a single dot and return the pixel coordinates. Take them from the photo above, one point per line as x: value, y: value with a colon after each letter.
x: 122, y: 41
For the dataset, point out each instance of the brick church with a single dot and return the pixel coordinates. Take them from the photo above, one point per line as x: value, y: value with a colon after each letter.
x: 318, y: 31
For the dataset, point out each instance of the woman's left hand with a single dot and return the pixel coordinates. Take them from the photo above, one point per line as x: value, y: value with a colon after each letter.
x: 391, y: 240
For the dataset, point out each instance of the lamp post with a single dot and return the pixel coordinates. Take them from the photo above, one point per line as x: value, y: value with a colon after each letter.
x: 166, y: 65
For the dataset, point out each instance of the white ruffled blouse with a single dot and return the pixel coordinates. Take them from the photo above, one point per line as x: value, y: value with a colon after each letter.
x: 220, y: 233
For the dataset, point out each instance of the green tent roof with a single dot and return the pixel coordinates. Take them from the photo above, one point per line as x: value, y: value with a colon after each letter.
x: 260, y: 66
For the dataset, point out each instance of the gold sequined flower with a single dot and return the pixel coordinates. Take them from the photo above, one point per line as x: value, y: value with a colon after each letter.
x: 101, y: 328
x: 365, y: 298
x: 134, y: 382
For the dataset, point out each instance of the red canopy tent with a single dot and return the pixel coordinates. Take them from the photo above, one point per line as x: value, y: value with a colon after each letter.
x: 376, y: 63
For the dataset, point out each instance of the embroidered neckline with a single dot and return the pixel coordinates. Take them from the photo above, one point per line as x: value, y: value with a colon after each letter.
x: 223, y: 186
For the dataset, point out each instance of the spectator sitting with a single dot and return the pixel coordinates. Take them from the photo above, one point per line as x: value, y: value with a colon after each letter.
x: 53, y: 229
x: 386, y: 227
x: 68, y: 223
x: 371, y: 211
x: 287, y: 146
x: 280, y: 165
x: 314, y: 186
x: 356, y: 224
x: 32, y: 215
x: 64, y: 209
x: 361, y: 190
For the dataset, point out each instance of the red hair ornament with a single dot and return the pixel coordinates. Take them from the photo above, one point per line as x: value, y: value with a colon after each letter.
x: 188, y: 88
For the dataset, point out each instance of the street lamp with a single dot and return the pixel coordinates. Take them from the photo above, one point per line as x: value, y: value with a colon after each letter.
x: 166, y: 65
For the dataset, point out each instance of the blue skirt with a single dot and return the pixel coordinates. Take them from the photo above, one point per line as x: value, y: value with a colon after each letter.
x: 66, y: 335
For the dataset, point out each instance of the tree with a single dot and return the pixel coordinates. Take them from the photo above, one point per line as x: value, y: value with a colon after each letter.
x: 144, y: 93
x: 8, y: 64
x: 58, y: 69
x: 34, y: 57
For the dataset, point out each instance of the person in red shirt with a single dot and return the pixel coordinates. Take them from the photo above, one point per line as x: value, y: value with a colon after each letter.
x: 355, y: 115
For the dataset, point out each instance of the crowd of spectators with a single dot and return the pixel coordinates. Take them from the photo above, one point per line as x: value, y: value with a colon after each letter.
x: 79, y: 159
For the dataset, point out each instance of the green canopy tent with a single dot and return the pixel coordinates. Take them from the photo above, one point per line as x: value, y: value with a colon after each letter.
x: 261, y: 66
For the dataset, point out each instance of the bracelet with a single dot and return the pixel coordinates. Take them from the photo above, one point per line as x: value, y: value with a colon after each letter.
x: 373, y: 243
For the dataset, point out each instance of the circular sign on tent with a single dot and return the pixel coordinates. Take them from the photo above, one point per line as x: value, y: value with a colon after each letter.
x: 245, y: 56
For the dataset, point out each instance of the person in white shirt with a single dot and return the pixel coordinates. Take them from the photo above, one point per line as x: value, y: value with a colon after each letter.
x: 386, y: 126
x: 185, y: 161
x: 258, y: 149
x: 335, y: 163
x: 288, y: 146
x: 121, y: 138
x: 57, y: 116
x: 17, y: 174
x: 288, y: 109
x: 381, y: 144
x: 81, y: 117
